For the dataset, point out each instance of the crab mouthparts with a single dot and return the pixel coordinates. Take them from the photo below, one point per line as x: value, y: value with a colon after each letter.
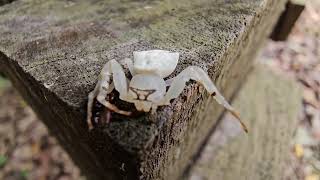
x: 143, y: 106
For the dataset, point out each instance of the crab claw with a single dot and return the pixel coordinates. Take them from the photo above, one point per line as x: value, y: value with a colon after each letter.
x: 126, y: 113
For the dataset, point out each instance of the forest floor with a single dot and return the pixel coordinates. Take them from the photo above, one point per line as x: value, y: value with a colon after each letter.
x: 299, y: 57
x: 27, y: 151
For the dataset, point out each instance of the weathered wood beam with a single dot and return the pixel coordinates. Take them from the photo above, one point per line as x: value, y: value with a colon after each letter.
x: 53, y: 51
x: 3, y: 2
x: 287, y: 20
x: 271, y: 105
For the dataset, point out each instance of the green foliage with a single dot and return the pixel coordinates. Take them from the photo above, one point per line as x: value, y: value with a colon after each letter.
x: 24, y: 174
x: 4, y: 83
x: 3, y: 160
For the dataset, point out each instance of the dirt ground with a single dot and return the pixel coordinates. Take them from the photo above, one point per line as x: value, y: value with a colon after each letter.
x: 28, y: 152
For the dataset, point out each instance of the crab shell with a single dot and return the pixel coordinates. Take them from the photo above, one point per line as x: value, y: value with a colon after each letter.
x: 159, y: 62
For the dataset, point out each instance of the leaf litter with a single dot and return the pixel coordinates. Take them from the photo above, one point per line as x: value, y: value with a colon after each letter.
x: 299, y: 57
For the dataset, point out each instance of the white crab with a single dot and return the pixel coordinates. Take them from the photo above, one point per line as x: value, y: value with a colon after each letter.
x: 147, y: 88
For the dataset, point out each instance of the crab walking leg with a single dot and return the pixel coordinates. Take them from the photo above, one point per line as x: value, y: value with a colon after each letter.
x: 169, y: 82
x: 101, y: 98
x: 199, y: 75
x: 103, y: 88
x: 119, y: 78
x: 93, y: 94
x: 120, y: 84
x: 91, y: 97
x: 129, y: 63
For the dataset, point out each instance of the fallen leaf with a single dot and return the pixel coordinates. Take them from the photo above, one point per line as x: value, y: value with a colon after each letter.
x: 3, y: 160
x: 304, y: 138
x: 307, y: 80
x: 35, y: 149
x: 24, y: 174
x: 298, y: 150
x: 309, y: 97
x: 4, y: 83
x: 316, y: 125
x: 312, y: 177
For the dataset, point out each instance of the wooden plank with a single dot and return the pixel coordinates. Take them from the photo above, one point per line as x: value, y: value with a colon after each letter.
x: 271, y: 104
x: 287, y: 20
x: 3, y: 2
x: 54, y: 50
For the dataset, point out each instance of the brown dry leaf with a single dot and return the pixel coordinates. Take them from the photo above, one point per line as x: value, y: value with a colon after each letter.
x: 317, y: 68
x: 312, y: 177
x: 298, y: 150
x: 316, y: 77
x: 307, y: 80
x: 35, y: 149
x: 310, y: 97
x: 316, y: 125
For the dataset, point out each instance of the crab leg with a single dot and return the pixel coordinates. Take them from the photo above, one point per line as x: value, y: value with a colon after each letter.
x: 169, y: 82
x: 104, y: 87
x: 129, y: 63
x: 197, y: 74
x: 91, y: 97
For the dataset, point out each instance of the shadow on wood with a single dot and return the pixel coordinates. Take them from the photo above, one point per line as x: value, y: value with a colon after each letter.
x: 287, y: 20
